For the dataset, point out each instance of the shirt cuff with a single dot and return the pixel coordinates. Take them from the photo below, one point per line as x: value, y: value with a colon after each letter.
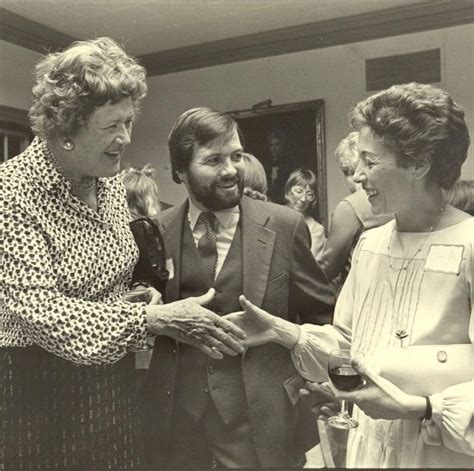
x: 301, y: 342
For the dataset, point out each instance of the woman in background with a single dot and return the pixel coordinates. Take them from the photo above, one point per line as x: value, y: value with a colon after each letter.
x: 150, y: 270
x: 255, y: 179
x: 142, y: 192
x: 350, y: 218
x: 461, y: 196
x: 67, y: 385
x: 300, y: 194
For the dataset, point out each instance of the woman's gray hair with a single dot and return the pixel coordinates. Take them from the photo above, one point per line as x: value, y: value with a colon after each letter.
x: 421, y: 123
x: 71, y: 84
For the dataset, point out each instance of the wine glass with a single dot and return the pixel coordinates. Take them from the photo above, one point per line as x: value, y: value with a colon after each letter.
x: 345, y: 378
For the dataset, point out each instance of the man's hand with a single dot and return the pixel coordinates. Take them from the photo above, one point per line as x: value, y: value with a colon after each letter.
x: 189, y: 322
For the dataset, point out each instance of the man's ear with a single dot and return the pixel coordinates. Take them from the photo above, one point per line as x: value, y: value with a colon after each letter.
x: 178, y: 177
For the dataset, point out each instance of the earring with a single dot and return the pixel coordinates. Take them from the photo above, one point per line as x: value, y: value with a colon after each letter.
x: 68, y: 145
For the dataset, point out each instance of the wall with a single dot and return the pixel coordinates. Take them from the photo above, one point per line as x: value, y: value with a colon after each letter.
x: 16, y: 75
x: 335, y: 74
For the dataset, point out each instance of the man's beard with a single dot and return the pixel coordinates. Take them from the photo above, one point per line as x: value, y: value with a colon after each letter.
x: 214, y: 198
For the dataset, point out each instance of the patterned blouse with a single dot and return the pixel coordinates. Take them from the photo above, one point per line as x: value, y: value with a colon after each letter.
x: 64, y: 265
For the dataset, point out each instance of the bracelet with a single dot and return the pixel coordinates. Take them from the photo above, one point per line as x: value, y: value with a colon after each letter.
x: 427, y: 418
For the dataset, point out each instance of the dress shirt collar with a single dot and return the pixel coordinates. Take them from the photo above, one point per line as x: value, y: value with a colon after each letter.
x: 226, y: 217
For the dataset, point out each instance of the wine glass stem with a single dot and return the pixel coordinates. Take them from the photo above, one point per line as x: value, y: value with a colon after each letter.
x: 344, y: 410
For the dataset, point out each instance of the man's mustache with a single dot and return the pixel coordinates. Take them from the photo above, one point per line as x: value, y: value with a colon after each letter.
x: 227, y: 181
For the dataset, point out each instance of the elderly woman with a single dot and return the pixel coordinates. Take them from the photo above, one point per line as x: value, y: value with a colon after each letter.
x: 414, y: 273
x: 300, y: 194
x: 67, y: 388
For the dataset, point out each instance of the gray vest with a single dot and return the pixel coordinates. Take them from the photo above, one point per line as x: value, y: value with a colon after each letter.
x: 199, y: 378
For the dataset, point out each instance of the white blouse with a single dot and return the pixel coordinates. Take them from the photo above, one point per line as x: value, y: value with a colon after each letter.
x: 432, y: 299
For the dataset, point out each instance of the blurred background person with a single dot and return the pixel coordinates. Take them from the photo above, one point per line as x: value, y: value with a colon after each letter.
x: 277, y: 164
x: 301, y: 191
x: 150, y: 270
x: 142, y: 192
x: 461, y: 196
x: 414, y: 275
x: 67, y: 386
x: 254, y: 178
x: 350, y: 218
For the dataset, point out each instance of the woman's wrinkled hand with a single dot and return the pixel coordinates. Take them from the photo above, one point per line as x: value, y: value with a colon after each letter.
x: 379, y: 398
x: 188, y: 321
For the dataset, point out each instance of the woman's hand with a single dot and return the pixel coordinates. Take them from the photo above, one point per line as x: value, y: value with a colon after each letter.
x: 189, y: 322
x: 262, y: 327
x: 379, y: 398
x: 142, y: 293
x: 155, y: 296
x: 323, y: 403
x: 258, y: 324
x: 254, y: 194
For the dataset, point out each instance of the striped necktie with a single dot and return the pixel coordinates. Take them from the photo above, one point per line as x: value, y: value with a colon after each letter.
x: 207, y: 244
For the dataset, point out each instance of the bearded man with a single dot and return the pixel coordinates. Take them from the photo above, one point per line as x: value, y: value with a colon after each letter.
x: 241, y: 411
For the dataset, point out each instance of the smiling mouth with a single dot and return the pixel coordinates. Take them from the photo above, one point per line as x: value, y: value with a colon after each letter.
x: 115, y: 154
x: 227, y: 185
x: 370, y: 193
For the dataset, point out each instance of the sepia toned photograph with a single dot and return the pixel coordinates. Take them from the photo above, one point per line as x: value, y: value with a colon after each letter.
x: 236, y: 235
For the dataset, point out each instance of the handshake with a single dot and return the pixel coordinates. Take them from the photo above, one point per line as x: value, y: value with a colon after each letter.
x: 189, y: 321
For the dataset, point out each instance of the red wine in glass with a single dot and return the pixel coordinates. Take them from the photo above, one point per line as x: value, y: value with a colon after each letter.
x: 345, y: 378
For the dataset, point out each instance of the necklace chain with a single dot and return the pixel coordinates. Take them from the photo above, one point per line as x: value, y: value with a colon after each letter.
x: 418, y: 250
x: 84, y: 184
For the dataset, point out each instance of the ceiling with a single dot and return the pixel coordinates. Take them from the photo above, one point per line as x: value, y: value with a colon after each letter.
x: 176, y: 35
x: 152, y: 26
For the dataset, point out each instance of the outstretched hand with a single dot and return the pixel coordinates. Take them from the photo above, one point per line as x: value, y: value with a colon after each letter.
x: 188, y: 321
x: 379, y: 398
x: 258, y: 324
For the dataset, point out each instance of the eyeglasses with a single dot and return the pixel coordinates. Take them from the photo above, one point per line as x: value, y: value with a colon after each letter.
x: 299, y: 191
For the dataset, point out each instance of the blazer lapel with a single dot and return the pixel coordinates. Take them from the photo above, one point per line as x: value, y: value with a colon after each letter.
x: 172, y: 225
x: 257, y: 249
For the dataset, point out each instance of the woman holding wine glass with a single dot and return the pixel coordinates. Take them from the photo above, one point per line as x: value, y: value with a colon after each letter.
x: 411, y: 280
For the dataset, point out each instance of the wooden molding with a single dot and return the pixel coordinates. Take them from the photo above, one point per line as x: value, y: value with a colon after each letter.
x: 14, y: 116
x: 390, y: 22
x: 29, y: 34
x: 424, y: 16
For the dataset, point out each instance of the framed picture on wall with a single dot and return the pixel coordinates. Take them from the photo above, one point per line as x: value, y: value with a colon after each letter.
x: 284, y: 138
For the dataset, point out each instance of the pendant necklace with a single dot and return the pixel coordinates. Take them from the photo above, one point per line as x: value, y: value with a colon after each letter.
x: 401, y: 330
